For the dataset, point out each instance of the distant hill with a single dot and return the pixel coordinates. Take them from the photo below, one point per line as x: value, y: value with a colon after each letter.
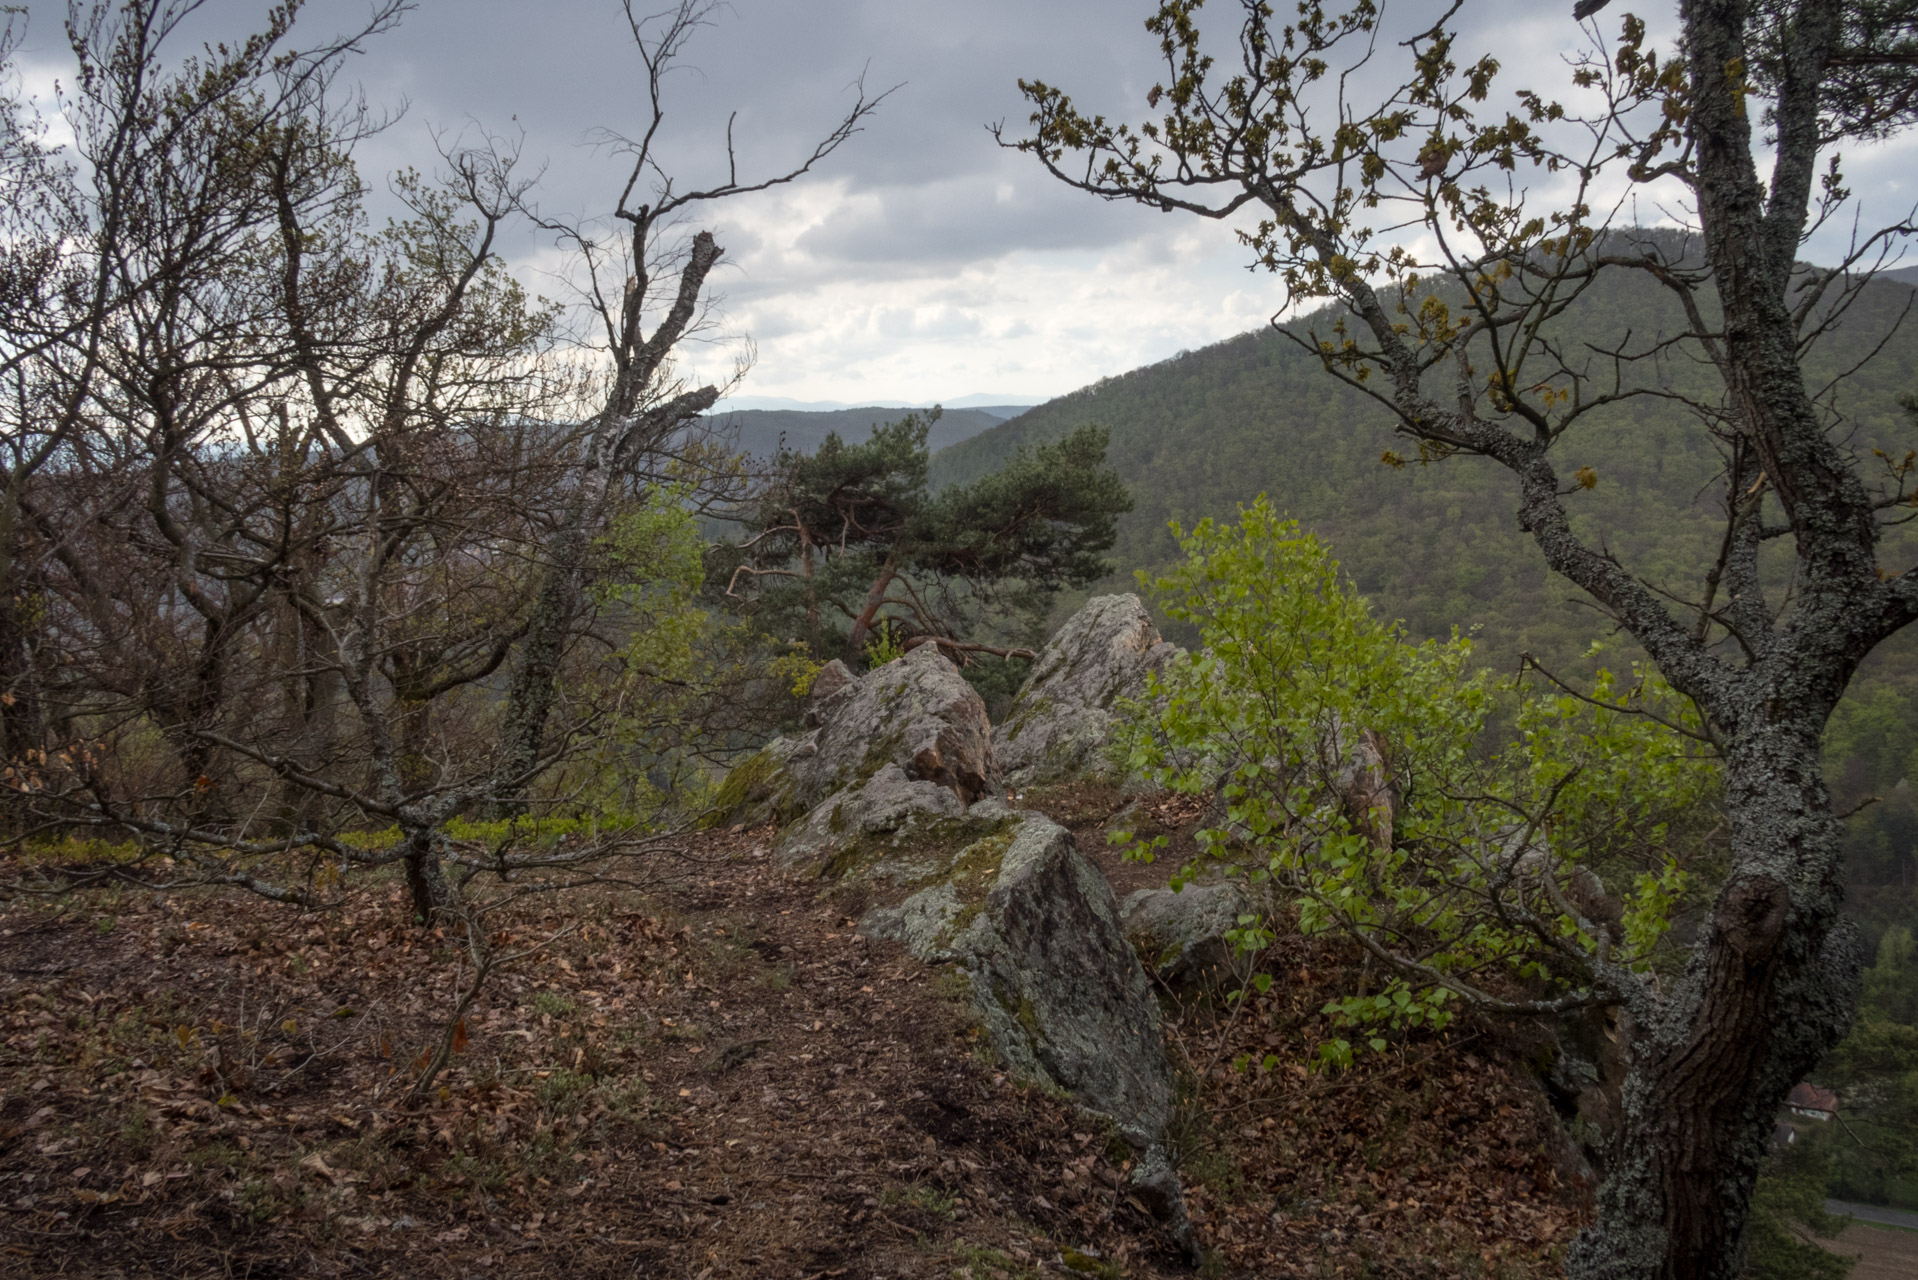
x: 1438, y: 546
x: 760, y: 431
x: 1003, y: 403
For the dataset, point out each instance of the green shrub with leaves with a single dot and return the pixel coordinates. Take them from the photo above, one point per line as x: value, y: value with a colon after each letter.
x: 1517, y: 849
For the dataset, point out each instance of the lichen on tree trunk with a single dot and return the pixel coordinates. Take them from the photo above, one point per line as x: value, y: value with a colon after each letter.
x: 1769, y: 990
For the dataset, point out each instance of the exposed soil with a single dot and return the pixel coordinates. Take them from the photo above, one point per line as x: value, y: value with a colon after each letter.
x: 1883, y: 1253
x: 712, y: 1077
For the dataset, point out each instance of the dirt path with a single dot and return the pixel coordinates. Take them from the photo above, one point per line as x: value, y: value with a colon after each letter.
x: 710, y: 1078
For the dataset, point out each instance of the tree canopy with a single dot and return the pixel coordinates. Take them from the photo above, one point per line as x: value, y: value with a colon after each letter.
x: 849, y: 540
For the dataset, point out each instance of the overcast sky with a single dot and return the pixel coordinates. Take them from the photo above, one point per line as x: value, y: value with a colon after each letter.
x: 921, y: 262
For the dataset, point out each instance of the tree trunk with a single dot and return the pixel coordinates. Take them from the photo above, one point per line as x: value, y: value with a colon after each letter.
x: 21, y: 727
x: 412, y: 721
x: 1769, y: 991
x: 812, y: 587
x: 875, y: 601
x: 536, y: 678
x: 425, y: 879
x: 309, y: 695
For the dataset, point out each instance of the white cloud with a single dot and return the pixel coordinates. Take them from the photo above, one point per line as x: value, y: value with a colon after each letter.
x: 921, y: 261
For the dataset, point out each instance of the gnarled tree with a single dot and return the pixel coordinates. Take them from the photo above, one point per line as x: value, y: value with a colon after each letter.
x: 1334, y: 180
x: 348, y: 534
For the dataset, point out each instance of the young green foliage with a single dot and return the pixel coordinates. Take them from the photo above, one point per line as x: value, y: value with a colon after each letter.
x: 1449, y: 822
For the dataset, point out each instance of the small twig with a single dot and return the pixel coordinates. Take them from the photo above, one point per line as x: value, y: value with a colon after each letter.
x: 1858, y: 808
x: 484, y: 962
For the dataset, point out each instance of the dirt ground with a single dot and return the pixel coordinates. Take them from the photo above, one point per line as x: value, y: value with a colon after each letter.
x: 1883, y: 1253
x: 710, y: 1077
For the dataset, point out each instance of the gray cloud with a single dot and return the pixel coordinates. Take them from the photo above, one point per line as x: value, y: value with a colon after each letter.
x: 920, y: 252
x: 563, y: 70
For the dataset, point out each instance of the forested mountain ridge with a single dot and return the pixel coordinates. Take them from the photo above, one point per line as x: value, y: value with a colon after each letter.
x: 1437, y: 545
x: 760, y: 432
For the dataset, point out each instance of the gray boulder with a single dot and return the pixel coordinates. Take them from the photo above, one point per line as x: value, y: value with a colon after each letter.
x: 1035, y: 927
x: 917, y: 712
x: 830, y: 679
x: 907, y: 742
x: 1181, y: 934
x: 1060, y: 722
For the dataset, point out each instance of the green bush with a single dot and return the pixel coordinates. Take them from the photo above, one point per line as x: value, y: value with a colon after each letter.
x: 1450, y: 823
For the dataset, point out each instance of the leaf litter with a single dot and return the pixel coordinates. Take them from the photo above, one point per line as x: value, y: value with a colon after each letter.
x: 717, y: 1078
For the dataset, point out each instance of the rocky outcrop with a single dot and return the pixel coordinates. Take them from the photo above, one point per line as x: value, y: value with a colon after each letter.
x: 1061, y: 720
x: 892, y: 788
x: 889, y: 752
x: 1180, y: 934
x: 917, y: 712
x: 829, y: 679
x: 1035, y: 927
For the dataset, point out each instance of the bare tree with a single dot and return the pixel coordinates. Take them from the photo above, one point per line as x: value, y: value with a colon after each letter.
x: 627, y: 281
x: 348, y: 551
x: 1338, y: 140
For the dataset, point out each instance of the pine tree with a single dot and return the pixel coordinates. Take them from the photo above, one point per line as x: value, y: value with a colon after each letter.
x: 850, y: 541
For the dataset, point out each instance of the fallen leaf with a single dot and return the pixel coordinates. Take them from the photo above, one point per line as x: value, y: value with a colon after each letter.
x: 317, y: 1164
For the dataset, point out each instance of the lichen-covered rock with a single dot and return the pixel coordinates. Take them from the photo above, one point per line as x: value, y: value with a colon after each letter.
x: 759, y: 788
x: 917, y: 712
x: 831, y: 678
x: 1061, y: 720
x: 884, y: 810
x: 1035, y: 927
x: 916, y: 717
x: 1181, y: 934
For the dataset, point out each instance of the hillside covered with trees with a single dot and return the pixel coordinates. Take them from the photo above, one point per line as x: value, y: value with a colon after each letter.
x: 1439, y: 546
x: 468, y: 808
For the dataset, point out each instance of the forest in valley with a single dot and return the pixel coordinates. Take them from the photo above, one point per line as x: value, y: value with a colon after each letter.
x: 1422, y: 788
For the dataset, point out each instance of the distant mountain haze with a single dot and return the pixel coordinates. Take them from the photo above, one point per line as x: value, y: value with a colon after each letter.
x: 1004, y: 405
x: 759, y: 432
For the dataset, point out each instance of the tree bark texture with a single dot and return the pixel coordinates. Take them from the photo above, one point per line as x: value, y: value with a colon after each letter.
x: 1770, y: 989
x: 426, y: 884
x: 1773, y: 983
